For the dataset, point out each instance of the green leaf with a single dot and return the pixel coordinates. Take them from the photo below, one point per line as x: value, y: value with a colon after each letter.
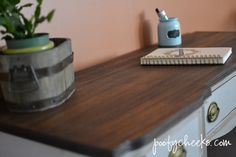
x: 1, y: 20
x: 50, y: 15
x: 14, y: 2
x: 25, y: 6
x: 8, y: 25
x: 15, y: 23
x: 28, y: 26
x: 37, y: 12
x: 4, y: 6
x: 40, y: 2
x: 15, y: 19
x: 41, y: 20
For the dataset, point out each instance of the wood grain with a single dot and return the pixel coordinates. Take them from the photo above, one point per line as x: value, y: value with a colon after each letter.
x: 120, y: 106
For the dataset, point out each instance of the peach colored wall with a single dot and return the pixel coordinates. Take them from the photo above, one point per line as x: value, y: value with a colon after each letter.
x: 104, y: 29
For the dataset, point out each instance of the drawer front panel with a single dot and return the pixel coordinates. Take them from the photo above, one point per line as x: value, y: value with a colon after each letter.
x: 13, y: 146
x: 187, y: 130
x: 225, y: 98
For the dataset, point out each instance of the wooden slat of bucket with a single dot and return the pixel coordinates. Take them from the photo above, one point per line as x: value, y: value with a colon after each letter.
x: 49, y: 86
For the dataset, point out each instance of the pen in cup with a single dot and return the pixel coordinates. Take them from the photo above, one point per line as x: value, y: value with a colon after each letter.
x: 162, y: 15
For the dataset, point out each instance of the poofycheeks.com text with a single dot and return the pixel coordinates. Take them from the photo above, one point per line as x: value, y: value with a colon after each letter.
x: 172, y: 145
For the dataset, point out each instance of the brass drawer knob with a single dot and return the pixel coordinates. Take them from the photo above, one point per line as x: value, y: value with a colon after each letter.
x: 213, y: 112
x: 178, y: 151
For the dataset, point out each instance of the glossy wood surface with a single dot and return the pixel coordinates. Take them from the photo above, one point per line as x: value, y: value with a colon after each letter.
x: 120, y: 106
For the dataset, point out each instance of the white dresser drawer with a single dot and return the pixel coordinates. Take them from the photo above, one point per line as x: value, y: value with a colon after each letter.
x: 224, y: 96
x: 14, y: 146
x: 187, y: 130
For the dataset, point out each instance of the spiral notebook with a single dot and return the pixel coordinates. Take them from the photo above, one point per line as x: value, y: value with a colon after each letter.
x: 180, y: 56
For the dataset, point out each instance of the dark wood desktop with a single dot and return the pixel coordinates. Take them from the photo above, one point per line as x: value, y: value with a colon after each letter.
x: 120, y: 105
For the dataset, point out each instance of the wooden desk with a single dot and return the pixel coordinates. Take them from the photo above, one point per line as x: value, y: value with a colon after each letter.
x: 120, y: 106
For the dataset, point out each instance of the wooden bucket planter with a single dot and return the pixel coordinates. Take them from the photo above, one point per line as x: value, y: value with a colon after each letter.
x: 38, y: 81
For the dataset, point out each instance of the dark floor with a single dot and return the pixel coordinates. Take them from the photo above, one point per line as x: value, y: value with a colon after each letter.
x: 226, y: 151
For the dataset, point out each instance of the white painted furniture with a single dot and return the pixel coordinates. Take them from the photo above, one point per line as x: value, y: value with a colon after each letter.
x: 119, y: 108
x: 194, y: 127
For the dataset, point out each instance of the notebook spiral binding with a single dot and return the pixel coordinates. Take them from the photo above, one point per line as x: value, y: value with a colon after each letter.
x: 167, y: 57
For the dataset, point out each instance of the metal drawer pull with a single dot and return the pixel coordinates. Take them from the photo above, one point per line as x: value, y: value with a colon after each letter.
x: 178, y: 151
x: 213, y: 112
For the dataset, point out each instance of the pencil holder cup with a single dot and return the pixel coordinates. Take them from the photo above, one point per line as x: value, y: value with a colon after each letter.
x: 169, y: 33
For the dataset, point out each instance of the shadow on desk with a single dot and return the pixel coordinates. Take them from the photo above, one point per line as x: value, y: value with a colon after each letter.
x: 223, y: 151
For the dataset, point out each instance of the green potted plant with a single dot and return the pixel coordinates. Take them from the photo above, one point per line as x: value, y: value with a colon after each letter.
x: 19, y: 32
x: 36, y: 73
